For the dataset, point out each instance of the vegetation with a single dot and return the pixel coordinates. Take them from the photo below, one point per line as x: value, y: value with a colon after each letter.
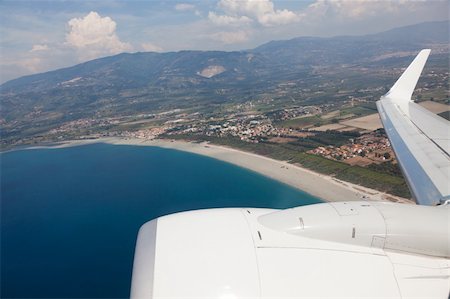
x: 125, y: 93
x: 300, y: 71
x: 360, y: 110
x: 302, y: 122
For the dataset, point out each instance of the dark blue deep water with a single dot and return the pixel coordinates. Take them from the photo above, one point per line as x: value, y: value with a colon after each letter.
x: 69, y: 217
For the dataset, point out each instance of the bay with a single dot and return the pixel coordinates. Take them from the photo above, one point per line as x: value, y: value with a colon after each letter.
x: 70, y: 216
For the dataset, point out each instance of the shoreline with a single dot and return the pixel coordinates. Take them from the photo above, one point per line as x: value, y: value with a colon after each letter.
x: 324, y: 187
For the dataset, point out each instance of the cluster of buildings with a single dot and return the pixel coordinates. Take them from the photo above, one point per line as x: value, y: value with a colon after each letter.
x: 364, y: 150
x: 439, y: 80
x: 250, y: 128
x: 247, y: 127
x: 290, y: 113
x: 149, y: 134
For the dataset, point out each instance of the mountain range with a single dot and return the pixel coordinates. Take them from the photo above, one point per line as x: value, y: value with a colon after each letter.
x: 154, y: 82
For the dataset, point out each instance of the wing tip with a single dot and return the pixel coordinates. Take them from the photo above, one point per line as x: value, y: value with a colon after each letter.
x: 404, y: 87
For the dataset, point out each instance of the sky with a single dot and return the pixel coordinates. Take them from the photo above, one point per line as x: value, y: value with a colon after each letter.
x: 38, y: 36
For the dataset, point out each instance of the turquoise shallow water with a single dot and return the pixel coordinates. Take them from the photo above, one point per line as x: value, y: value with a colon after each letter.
x: 70, y: 216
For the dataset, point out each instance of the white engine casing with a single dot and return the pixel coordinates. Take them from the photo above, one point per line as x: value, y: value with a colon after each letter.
x: 351, y: 247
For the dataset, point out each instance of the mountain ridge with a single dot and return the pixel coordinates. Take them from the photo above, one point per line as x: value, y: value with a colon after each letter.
x: 441, y: 34
x: 149, y: 82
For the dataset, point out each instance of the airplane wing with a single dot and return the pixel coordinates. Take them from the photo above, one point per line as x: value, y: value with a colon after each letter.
x: 358, y: 249
x: 420, y: 139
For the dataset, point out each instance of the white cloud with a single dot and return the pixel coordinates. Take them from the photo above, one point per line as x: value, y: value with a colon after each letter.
x: 94, y: 36
x: 149, y: 47
x: 360, y: 9
x: 262, y: 11
x: 231, y: 25
x: 224, y: 20
x: 187, y: 7
x: 38, y: 47
x: 340, y: 17
x: 184, y: 7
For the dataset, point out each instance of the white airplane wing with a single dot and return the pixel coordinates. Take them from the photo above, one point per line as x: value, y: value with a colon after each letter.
x: 420, y: 139
x: 328, y: 250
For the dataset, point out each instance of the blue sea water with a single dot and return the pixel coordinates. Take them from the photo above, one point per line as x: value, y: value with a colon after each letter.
x: 70, y: 216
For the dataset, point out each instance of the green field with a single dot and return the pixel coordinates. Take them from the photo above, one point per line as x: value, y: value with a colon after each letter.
x: 302, y: 122
x: 360, y: 110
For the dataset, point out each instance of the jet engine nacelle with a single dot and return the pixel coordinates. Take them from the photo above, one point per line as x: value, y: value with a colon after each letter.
x: 266, y: 253
x: 399, y: 227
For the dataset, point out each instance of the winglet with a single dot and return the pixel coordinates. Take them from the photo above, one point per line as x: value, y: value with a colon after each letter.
x: 404, y: 87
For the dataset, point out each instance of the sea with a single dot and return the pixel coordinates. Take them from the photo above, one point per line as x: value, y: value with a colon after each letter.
x: 70, y: 216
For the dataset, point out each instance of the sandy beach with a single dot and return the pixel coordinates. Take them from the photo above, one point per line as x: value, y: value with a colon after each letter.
x: 322, y: 186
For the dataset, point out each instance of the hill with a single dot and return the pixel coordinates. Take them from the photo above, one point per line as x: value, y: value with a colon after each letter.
x: 204, y: 81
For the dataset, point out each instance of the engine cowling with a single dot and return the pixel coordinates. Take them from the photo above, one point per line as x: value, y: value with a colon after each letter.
x: 389, y: 226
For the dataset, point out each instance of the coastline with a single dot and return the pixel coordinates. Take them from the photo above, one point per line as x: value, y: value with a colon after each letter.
x: 322, y: 186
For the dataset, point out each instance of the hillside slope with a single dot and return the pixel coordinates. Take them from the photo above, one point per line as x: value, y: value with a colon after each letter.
x: 127, y: 84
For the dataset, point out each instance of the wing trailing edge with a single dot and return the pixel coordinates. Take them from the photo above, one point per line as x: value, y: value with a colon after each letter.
x: 419, y: 138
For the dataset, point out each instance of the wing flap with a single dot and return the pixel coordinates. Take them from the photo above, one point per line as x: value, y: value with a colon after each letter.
x: 433, y: 126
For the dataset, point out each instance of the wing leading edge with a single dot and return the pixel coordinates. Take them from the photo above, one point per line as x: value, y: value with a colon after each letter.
x: 420, y: 139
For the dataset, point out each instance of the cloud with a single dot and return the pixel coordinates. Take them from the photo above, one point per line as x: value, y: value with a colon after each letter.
x: 340, y: 17
x: 360, y: 9
x: 184, y: 7
x: 222, y: 20
x: 94, y: 36
x: 149, y: 47
x: 261, y: 11
x: 37, y: 48
x: 229, y: 25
